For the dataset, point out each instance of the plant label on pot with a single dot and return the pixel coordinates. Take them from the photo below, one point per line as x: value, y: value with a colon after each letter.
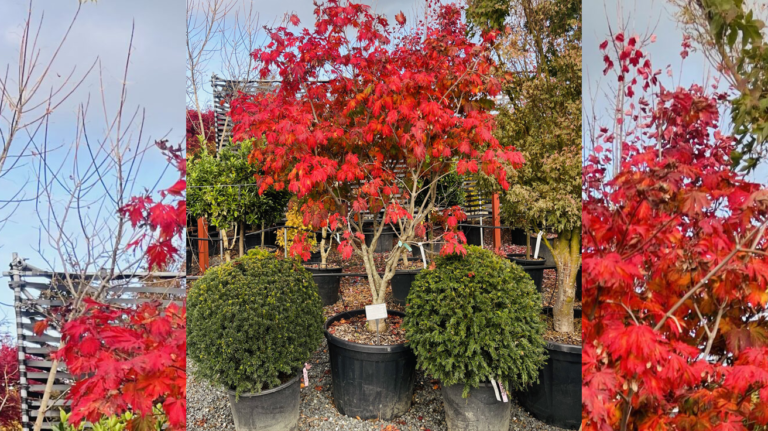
x: 538, y: 244
x: 495, y: 389
x: 423, y: 257
x: 376, y: 311
x: 503, y: 393
x: 306, y: 376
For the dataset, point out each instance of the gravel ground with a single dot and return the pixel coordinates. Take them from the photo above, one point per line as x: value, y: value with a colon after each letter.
x: 208, y: 408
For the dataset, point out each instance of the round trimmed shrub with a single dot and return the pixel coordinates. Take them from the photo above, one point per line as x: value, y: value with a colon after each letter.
x: 253, y: 322
x: 476, y: 317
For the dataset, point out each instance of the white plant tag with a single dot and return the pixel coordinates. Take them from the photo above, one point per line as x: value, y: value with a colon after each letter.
x: 495, y: 389
x: 503, y: 392
x: 376, y: 312
x: 538, y: 244
x: 423, y: 257
x: 306, y: 376
x: 337, y: 238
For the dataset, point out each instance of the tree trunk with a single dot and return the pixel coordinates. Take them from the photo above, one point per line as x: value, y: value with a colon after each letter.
x: 566, y: 249
x: 527, y: 245
x: 262, y: 234
x: 46, y: 396
x: 225, y: 244
x: 242, y: 239
x: 323, y: 251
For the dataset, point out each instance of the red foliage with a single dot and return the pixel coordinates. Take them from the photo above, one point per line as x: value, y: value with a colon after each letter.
x: 160, y: 222
x: 134, y: 358
x: 416, y: 99
x: 193, y: 130
x: 675, y: 328
x: 10, y: 413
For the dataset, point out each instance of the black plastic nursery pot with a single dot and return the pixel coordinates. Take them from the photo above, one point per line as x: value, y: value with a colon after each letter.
x: 533, y: 267
x: 327, y: 287
x: 556, y: 399
x: 401, y: 285
x: 385, y: 242
x: 518, y: 236
x: 254, y: 240
x: 474, y: 234
x: 481, y: 411
x: 271, y: 410
x: 578, y: 284
x: 370, y: 381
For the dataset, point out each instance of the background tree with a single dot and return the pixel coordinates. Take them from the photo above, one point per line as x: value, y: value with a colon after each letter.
x: 675, y: 250
x: 10, y: 400
x: 224, y: 191
x: 732, y: 35
x: 398, y: 107
x: 540, y: 62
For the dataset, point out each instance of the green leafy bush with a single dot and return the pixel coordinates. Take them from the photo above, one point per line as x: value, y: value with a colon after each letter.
x: 474, y: 318
x: 116, y: 423
x: 253, y: 321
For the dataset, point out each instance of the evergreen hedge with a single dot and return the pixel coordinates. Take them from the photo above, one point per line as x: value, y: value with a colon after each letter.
x: 252, y: 321
x: 474, y: 318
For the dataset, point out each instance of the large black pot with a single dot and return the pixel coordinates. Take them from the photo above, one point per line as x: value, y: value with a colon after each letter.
x: 401, y: 285
x: 578, y: 284
x: 556, y: 399
x: 254, y: 240
x: 481, y: 411
x: 327, y: 287
x: 474, y: 235
x: 271, y: 410
x: 534, y: 268
x: 386, y: 240
x: 543, y: 250
x: 518, y: 236
x: 370, y: 381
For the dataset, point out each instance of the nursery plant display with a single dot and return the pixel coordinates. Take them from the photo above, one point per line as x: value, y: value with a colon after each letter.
x: 223, y: 191
x: 253, y: 323
x: 473, y: 321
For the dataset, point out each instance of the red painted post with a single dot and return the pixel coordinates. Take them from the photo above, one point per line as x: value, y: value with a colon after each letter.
x: 496, y: 222
x: 202, y: 243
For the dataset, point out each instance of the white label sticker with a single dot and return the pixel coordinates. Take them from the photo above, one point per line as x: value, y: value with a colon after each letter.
x: 503, y: 392
x: 495, y: 389
x: 376, y: 312
x: 423, y: 257
x: 538, y: 244
x: 306, y: 376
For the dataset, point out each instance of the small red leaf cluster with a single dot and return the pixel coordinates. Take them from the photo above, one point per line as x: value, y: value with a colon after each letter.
x: 194, y: 132
x: 160, y: 222
x: 10, y: 411
x: 674, y: 247
x: 127, y: 359
x: 363, y: 105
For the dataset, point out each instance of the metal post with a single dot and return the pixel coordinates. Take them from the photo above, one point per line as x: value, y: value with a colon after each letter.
x: 202, y: 244
x: 17, y: 265
x: 496, y: 221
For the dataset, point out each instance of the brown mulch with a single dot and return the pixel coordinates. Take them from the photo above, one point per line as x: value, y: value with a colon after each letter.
x: 355, y: 330
x: 573, y: 338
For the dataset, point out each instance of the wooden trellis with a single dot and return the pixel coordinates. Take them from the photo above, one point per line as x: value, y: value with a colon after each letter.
x: 35, y: 292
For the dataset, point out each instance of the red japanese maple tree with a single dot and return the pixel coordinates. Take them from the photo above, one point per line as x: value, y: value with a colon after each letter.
x: 131, y: 359
x: 134, y: 359
x: 369, y: 117
x: 197, y: 136
x: 10, y: 402
x: 675, y: 256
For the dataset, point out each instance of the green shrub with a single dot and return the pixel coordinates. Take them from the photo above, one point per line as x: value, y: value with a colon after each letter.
x: 252, y: 321
x: 474, y: 318
x: 111, y: 423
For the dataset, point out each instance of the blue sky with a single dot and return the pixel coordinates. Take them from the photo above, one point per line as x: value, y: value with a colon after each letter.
x: 154, y: 83
x: 641, y: 17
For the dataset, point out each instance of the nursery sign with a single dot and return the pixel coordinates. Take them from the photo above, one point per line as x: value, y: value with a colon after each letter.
x: 376, y: 312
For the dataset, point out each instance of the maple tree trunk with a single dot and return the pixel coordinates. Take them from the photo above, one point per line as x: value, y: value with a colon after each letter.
x: 46, y: 396
x: 262, y: 234
x: 566, y: 249
x: 323, y: 251
x: 242, y: 239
